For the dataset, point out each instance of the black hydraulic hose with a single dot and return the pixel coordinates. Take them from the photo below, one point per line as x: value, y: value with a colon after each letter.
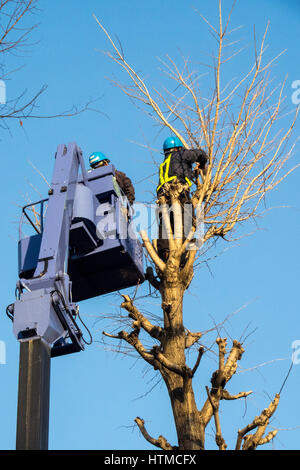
x: 9, y: 313
x: 64, y: 304
x: 67, y: 310
x: 88, y: 343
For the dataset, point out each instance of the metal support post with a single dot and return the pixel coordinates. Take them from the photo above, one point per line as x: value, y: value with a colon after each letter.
x: 33, y: 395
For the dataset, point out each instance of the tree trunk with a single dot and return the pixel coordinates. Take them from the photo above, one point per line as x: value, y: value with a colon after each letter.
x: 189, y: 428
x: 190, y: 432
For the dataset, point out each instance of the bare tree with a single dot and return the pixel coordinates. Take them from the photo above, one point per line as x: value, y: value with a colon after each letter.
x: 16, y: 29
x: 247, y: 154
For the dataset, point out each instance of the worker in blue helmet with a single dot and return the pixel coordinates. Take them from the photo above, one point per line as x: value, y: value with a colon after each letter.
x: 178, y: 163
x: 99, y: 159
x: 172, y: 142
x: 178, y: 166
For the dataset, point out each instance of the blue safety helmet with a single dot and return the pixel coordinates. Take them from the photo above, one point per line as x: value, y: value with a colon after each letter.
x: 172, y: 142
x: 97, y: 157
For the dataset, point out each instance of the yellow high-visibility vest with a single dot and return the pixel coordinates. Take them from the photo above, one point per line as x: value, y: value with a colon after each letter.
x: 164, y: 173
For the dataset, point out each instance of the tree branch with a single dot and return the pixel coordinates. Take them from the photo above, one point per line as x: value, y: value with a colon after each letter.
x: 200, y: 354
x: 181, y: 370
x: 152, y: 253
x: 160, y: 442
x: 153, y: 330
x: 226, y: 395
x: 215, y: 406
x: 151, y: 278
x: 221, y: 376
x: 260, y: 422
x: 133, y: 340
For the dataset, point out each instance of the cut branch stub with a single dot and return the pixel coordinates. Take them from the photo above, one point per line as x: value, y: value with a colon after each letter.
x: 160, y: 442
x: 251, y: 441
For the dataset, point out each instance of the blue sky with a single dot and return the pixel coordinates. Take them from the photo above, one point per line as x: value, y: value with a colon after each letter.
x: 95, y: 395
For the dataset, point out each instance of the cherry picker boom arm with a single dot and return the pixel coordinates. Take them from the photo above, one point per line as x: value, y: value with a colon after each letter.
x: 84, y: 248
x: 44, y: 307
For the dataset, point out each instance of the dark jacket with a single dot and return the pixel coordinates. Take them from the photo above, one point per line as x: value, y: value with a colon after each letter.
x: 126, y: 185
x: 179, y: 164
